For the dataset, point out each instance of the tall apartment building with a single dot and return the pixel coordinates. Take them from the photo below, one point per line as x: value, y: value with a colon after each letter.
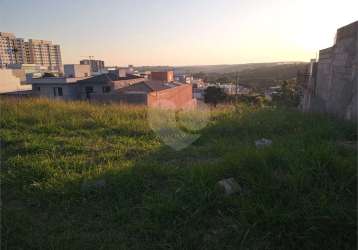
x: 12, y: 49
x: 15, y: 50
x: 44, y: 53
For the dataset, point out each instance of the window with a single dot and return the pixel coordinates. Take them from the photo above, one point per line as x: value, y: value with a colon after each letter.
x: 106, y: 89
x: 57, y: 91
x: 89, y: 89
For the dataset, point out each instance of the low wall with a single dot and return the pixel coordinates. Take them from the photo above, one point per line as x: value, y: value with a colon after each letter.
x: 178, y: 97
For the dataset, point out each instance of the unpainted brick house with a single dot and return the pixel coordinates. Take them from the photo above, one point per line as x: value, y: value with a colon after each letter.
x: 159, y: 91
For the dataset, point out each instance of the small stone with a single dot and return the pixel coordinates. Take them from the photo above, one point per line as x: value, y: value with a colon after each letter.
x: 93, y: 185
x: 263, y: 143
x: 229, y: 186
x: 35, y: 185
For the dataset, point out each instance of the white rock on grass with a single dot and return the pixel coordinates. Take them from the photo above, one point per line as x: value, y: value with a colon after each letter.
x: 228, y: 186
x: 263, y: 143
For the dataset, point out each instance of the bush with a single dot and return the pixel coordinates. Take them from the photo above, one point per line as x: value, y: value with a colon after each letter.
x: 288, y: 95
x: 214, y: 95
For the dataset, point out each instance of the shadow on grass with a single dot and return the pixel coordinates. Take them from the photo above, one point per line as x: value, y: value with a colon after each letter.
x: 300, y: 193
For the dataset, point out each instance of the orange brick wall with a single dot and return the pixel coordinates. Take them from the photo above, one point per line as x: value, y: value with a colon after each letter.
x: 178, y: 97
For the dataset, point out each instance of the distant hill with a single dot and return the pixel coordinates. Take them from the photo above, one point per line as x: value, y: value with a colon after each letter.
x: 256, y: 75
x: 230, y: 68
x: 266, y: 76
x: 220, y: 69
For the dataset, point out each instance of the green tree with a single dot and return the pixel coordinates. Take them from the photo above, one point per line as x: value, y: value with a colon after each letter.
x: 214, y: 95
x: 223, y: 79
x: 48, y: 74
x: 289, y: 94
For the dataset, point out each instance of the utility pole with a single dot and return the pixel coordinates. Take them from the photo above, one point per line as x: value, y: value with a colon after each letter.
x: 237, y: 86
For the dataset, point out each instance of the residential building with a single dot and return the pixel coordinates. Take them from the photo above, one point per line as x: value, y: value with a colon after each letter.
x: 145, y: 74
x: 15, y: 50
x: 333, y: 80
x: 125, y: 71
x: 76, y: 70
x: 103, y: 87
x: 244, y: 90
x: 198, y: 93
x: 96, y: 88
x: 61, y: 88
x: 272, y: 91
x: 29, y: 68
x: 114, y: 88
x: 12, y: 50
x: 97, y: 66
x: 130, y: 69
x: 44, y: 53
x: 163, y: 76
x: 158, y: 94
x: 183, y: 78
x: 229, y: 88
x: 199, y: 83
x: 121, y: 72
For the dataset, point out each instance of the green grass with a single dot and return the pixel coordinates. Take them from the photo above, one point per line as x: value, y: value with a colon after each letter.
x: 300, y: 193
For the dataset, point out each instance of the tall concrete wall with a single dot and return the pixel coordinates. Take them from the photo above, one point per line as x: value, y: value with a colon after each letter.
x: 333, y: 86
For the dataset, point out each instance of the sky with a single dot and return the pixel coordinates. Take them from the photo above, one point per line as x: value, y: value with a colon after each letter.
x: 185, y: 32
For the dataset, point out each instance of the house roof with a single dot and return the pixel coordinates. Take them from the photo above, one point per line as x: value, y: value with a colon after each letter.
x: 130, y: 77
x: 17, y: 93
x: 158, y: 86
x: 149, y: 86
x: 56, y: 80
x: 109, y: 77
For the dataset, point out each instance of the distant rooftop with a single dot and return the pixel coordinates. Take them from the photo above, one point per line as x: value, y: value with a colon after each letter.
x: 55, y: 80
x: 158, y: 86
x: 148, y: 86
x: 108, y: 77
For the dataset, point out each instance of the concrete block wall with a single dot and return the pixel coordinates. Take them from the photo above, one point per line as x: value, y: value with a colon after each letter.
x: 333, y: 89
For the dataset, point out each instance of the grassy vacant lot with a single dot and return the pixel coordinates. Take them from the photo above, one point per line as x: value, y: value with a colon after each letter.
x: 300, y: 193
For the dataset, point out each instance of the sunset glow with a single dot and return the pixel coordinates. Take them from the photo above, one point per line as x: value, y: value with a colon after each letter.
x: 181, y: 32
